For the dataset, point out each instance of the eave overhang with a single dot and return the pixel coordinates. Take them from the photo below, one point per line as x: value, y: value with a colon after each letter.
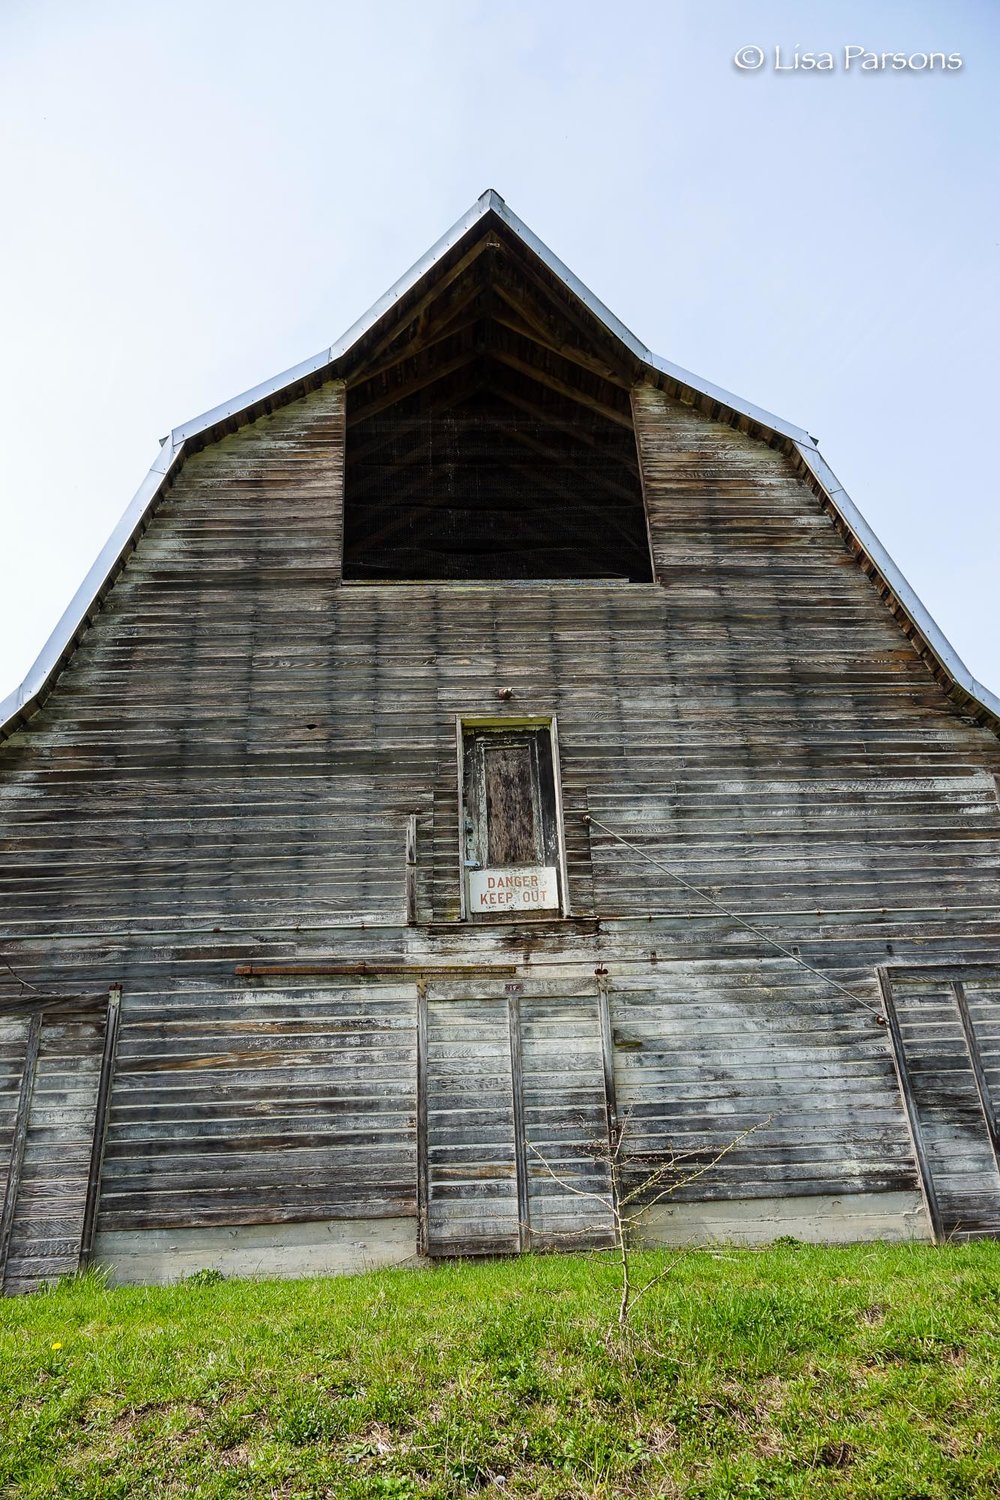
x: 972, y: 698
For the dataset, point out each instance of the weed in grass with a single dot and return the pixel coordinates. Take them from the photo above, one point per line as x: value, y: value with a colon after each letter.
x: 207, y: 1276
x: 305, y: 1420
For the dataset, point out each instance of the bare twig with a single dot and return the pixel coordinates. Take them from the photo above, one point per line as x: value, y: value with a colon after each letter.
x: 25, y: 984
x: 627, y: 1204
x: 683, y: 1182
x: 602, y: 1198
x: 37, y: 994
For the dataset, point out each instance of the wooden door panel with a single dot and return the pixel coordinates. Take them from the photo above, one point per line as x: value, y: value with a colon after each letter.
x: 981, y: 994
x: 515, y: 1121
x: 512, y: 832
x: 309, y: 1089
x: 565, y: 1116
x: 946, y: 1082
x: 471, y: 1188
x: 53, y: 1157
x: 13, y: 1048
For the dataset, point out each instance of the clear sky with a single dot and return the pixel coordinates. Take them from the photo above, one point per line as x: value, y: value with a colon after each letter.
x: 199, y: 193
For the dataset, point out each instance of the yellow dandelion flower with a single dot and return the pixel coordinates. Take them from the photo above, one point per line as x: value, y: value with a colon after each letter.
x: 57, y: 1346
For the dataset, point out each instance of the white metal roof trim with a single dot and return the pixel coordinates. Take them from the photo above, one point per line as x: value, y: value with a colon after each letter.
x: 347, y: 340
x: 903, y: 590
x: 106, y: 564
x: 104, y: 567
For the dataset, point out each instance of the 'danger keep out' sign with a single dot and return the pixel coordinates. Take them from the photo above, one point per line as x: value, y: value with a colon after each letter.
x: 525, y: 889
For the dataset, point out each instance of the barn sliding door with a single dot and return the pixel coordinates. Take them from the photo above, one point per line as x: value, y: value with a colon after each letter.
x: 945, y: 1027
x: 514, y: 1118
x: 54, y: 1088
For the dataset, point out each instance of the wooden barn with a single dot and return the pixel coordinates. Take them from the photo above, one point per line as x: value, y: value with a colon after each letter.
x: 484, y: 743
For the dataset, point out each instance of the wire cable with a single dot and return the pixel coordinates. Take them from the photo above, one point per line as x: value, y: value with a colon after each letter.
x: 733, y: 917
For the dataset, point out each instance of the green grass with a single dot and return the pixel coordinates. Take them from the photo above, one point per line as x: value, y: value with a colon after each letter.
x: 866, y: 1371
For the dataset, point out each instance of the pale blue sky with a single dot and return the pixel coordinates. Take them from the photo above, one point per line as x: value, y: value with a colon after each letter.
x: 198, y: 195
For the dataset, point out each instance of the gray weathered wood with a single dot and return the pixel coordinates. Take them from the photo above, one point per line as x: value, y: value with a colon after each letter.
x: 19, y: 1137
x: 517, y: 1103
x: 102, y: 1107
x: 411, y: 869
x: 46, y: 1209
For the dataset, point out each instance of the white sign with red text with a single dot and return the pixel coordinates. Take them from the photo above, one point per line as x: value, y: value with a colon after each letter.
x: 534, y: 888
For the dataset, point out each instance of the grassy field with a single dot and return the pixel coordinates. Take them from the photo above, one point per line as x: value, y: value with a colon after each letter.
x: 867, y: 1371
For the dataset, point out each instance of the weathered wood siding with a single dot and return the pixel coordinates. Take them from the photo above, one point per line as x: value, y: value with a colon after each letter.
x: 225, y: 771
x: 472, y: 1168
x: 790, y: 747
x: 192, y: 751
x: 705, y: 1051
x: 565, y: 1119
x: 264, y: 1105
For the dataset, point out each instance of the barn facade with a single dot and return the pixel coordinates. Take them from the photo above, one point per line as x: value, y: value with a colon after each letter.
x: 485, y: 744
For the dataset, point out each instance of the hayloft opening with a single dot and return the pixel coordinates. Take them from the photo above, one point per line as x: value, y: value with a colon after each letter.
x: 490, y: 437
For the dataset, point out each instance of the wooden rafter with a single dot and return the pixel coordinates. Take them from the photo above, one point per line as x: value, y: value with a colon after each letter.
x: 574, y: 462
x: 495, y: 347
x: 427, y: 513
x: 452, y: 395
x: 418, y: 383
x: 549, y: 418
x: 562, y: 388
x: 420, y: 309
x: 565, y: 308
x: 424, y: 341
x: 580, y: 503
x: 522, y: 321
x: 559, y: 522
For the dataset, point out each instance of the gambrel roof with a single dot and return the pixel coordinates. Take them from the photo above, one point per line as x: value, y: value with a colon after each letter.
x: 392, y: 327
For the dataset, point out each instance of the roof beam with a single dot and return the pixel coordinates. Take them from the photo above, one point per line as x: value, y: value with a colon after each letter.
x: 567, y: 310
x: 416, y: 384
x: 425, y: 339
x: 527, y: 326
x: 420, y: 309
x: 576, y: 462
x: 562, y: 388
x: 561, y: 424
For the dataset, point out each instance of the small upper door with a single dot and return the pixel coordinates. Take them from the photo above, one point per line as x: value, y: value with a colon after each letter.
x: 511, y: 847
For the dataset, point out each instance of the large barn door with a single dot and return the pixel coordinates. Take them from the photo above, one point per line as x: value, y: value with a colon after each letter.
x: 514, y: 1118
x: 945, y: 1026
x: 53, y: 1102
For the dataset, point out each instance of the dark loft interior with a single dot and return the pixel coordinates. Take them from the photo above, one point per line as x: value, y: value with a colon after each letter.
x: 489, y: 436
